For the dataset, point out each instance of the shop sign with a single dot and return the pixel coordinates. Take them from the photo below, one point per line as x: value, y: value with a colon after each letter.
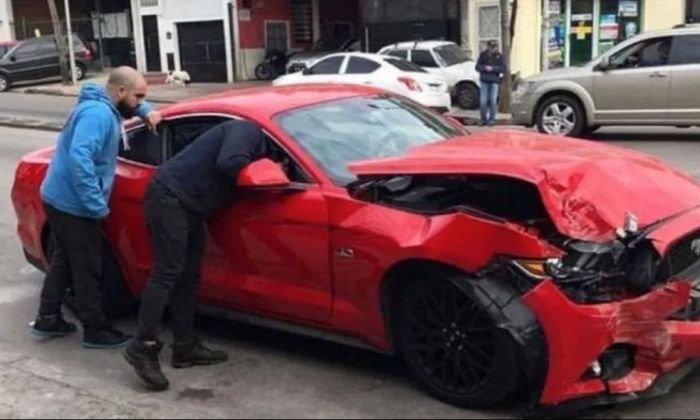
x: 629, y: 8
x: 582, y: 17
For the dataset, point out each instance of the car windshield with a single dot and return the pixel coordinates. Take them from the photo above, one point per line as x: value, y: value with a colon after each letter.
x: 338, y: 133
x: 451, y: 54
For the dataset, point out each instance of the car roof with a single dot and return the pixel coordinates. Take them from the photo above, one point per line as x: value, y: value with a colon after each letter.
x: 263, y: 103
x: 679, y: 30
x: 369, y: 56
x: 418, y: 44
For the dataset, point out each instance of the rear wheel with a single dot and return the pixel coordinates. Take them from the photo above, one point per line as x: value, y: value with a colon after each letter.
x: 561, y: 116
x: 467, y: 96
x: 4, y: 83
x: 79, y: 71
x: 453, y: 346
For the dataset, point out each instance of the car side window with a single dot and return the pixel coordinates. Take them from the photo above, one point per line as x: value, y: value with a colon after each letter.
x: 649, y: 53
x: 26, y: 51
x: 47, y: 47
x: 144, y: 147
x: 328, y: 66
x: 399, y: 54
x: 686, y: 50
x: 423, y: 58
x: 183, y: 132
x: 360, y: 65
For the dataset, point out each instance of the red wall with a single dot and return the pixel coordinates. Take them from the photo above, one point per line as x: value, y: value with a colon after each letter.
x: 253, y: 33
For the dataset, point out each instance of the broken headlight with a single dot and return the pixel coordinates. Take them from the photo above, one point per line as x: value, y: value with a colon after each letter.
x: 593, y: 272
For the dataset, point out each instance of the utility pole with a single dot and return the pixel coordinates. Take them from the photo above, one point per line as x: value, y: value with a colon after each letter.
x: 545, y: 35
x: 60, y: 41
x: 506, y: 39
x: 71, y: 47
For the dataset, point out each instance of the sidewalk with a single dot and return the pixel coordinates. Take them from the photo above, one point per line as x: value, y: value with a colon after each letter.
x: 157, y: 93
x: 167, y: 94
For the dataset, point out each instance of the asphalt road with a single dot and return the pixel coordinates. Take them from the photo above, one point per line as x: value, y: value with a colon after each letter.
x: 271, y: 374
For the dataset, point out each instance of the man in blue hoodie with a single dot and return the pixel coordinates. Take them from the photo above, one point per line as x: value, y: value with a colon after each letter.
x: 491, y: 66
x: 76, y: 193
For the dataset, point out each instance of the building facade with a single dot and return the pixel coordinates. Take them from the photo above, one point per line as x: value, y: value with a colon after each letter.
x: 580, y: 30
x: 7, y: 23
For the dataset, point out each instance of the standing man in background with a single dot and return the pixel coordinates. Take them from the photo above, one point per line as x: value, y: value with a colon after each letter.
x: 491, y: 66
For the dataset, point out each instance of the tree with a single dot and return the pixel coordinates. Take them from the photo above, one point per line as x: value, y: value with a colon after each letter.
x: 507, y: 32
x: 61, y: 44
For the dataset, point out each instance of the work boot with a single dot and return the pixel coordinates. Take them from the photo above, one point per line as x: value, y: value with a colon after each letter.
x: 145, y: 358
x: 192, y: 353
x: 51, y: 326
x: 104, y: 339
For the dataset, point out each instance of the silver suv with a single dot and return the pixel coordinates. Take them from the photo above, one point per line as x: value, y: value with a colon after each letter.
x: 651, y: 79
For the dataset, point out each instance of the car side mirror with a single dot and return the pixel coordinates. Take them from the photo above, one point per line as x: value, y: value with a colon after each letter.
x: 263, y: 174
x: 605, y: 64
x: 13, y: 59
x: 307, y: 71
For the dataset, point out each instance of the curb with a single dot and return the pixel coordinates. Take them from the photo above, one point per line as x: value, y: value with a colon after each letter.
x: 471, y: 122
x: 58, y: 92
x: 30, y: 124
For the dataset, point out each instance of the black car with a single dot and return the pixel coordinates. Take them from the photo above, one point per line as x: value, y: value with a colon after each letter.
x: 37, y: 59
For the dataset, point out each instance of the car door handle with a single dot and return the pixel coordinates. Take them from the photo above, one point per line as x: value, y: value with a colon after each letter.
x: 659, y: 75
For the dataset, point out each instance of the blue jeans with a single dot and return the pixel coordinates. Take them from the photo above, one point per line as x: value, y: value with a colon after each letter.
x: 489, y: 101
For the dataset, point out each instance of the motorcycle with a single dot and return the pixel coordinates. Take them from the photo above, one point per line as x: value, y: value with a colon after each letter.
x: 273, y: 66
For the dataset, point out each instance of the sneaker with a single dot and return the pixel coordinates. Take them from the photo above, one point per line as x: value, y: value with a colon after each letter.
x: 105, y: 339
x: 193, y: 353
x: 145, y: 358
x: 52, y: 326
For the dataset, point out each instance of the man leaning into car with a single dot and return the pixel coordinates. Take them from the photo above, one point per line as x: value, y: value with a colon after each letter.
x: 76, y: 194
x: 184, y: 192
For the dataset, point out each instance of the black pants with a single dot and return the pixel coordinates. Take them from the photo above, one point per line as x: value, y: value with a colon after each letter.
x: 178, y: 239
x: 77, y: 255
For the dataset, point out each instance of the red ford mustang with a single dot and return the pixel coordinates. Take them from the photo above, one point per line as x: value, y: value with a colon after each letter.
x: 491, y: 262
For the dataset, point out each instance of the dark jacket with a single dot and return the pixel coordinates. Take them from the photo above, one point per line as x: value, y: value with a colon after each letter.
x: 494, y: 60
x: 204, y: 175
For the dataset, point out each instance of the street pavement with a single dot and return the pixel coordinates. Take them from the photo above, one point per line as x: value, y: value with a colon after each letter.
x: 271, y: 374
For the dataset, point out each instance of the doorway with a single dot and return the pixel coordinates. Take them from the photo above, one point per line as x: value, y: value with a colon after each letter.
x: 152, y: 40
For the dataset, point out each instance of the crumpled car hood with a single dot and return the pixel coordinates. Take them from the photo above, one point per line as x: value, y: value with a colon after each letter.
x: 586, y: 187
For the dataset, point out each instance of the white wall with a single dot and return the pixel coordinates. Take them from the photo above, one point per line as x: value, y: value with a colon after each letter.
x: 7, y: 32
x: 171, y: 12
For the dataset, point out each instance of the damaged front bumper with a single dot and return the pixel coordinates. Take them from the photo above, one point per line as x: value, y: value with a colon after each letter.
x: 578, y: 336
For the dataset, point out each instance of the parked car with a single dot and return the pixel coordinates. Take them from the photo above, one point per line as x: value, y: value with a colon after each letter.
x: 388, y: 73
x: 386, y: 226
x: 651, y: 79
x: 302, y: 60
x: 37, y: 59
x: 5, y: 47
x: 446, y: 59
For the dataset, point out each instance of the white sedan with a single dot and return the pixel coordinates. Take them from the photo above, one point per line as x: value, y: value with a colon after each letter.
x: 388, y: 73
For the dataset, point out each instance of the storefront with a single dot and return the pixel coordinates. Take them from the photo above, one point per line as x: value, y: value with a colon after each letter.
x: 581, y: 30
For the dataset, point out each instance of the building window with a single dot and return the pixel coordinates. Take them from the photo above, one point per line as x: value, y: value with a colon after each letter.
x: 693, y: 14
x: 277, y: 35
x: 303, y: 24
x: 149, y: 3
x: 489, y: 25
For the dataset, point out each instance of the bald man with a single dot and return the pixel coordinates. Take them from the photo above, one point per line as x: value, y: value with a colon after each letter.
x: 76, y: 194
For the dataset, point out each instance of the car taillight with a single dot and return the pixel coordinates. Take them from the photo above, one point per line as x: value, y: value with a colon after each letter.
x: 410, y: 84
x: 86, y: 54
